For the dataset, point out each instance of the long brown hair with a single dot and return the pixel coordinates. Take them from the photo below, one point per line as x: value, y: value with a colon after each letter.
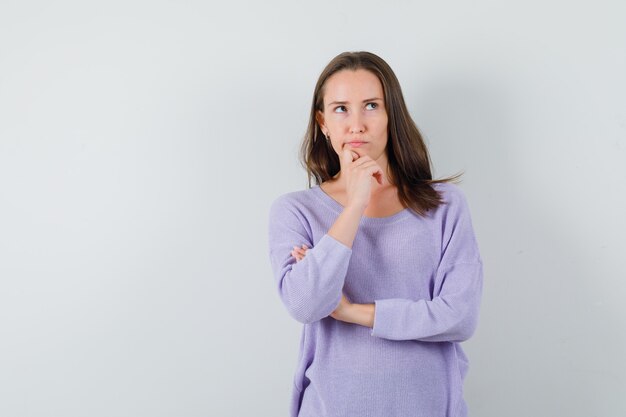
x: 407, y: 155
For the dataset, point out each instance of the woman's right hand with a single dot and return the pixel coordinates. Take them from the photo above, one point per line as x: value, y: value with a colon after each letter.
x: 360, y: 172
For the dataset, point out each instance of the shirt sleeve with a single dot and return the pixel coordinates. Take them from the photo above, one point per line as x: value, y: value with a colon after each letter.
x: 452, y: 314
x: 311, y: 288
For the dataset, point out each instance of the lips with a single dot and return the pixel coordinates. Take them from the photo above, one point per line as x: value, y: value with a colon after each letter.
x: 356, y: 143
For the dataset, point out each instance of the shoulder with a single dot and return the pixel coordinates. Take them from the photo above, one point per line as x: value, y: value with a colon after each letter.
x: 459, y: 242
x: 451, y: 193
x: 294, y: 203
x: 292, y: 212
x: 455, y: 204
x: 293, y: 199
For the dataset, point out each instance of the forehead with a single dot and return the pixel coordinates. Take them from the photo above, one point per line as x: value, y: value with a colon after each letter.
x: 347, y: 85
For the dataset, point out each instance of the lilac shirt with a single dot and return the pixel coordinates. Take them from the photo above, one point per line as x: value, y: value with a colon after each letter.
x: 424, y: 275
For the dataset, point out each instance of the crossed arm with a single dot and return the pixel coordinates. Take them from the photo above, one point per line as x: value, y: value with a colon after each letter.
x: 311, y: 286
x: 362, y: 314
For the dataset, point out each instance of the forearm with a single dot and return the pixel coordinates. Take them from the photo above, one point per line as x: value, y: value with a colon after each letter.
x: 346, y: 226
x: 362, y: 314
x: 451, y: 316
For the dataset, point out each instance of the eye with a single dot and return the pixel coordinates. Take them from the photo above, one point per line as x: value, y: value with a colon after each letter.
x: 339, y: 107
x: 375, y: 104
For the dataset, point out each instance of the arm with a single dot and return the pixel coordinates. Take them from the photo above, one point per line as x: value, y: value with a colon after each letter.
x: 428, y: 321
x: 452, y: 314
x: 310, y: 289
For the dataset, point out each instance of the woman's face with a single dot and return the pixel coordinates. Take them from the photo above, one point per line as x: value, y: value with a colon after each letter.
x: 354, y: 110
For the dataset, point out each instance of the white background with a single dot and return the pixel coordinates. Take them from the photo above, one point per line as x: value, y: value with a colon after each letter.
x: 142, y: 142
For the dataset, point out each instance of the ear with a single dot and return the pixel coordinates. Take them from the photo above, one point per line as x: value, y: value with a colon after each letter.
x: 319, y: 117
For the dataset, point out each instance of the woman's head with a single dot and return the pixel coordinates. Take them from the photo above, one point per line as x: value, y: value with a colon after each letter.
x: 352, y: 114
x: 384, y: 123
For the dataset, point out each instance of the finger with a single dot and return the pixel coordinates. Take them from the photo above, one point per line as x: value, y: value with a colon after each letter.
x: 370, y: 165
x: 377, y: 175
x: 373, y: 169
x: 362, y: 161
x: 347, y: 156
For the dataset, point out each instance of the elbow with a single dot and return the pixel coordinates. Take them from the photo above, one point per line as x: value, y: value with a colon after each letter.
x: 462, y: 335
x: 300, y: 312
x: 465, y: 328
x: 309, y: 302
x: 307, y: 310
x: 302, y: 317
x: 304, y: 314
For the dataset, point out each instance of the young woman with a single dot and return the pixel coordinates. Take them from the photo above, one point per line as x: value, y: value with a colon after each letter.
x: 378, y: 260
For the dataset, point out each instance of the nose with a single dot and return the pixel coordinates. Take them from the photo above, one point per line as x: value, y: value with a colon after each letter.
x: 356, y: 124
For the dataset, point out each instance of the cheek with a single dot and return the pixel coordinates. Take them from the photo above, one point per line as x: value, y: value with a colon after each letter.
x: 380, y: 120
x: 381, y: 126
x: 334, y: 123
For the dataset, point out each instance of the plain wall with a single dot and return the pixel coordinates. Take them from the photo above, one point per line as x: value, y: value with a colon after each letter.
x: 142, y: 142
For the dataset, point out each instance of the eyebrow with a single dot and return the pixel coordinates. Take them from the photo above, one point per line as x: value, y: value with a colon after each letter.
x: 345, y: 102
